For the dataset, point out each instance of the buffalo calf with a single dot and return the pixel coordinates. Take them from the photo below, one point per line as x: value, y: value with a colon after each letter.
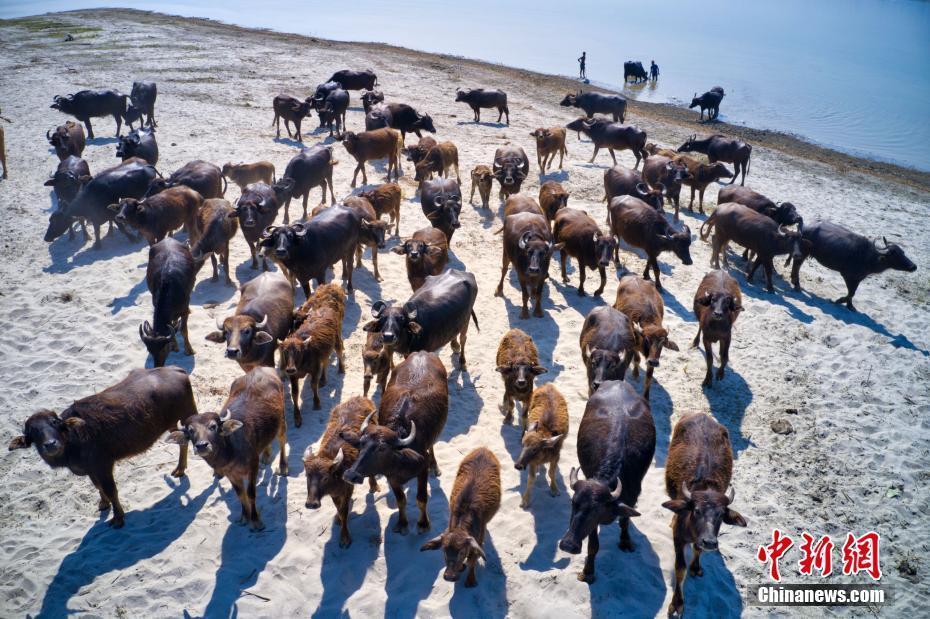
x: 518, y: 363
x: 543, y: 438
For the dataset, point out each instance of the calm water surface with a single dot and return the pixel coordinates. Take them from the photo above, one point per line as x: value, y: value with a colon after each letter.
x: 849, y: 74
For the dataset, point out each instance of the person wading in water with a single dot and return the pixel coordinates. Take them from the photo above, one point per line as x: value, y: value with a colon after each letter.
x: 581, y: 62
x: 654, y: 71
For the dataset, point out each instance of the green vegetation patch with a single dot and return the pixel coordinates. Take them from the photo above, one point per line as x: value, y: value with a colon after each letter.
x: 47, y: 26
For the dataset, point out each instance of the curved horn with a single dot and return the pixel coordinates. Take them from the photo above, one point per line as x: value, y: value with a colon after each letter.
x: 731, y: 494
x: 881, y: 250
x: 339, y: 458
x: 263, y: 323
x: 412, y: 435
x: 225, y: 416
x: 220, y: 324
x: 308, y: 452
x: 523, y: 239
x: 684, y: 491
x: 48, y: 135
x: 477, y: 548
x: 642, y: 188
x: 781, y: 230
x: 615, y: 495
x: 365, y: 423
x: 267, y: 232
x: 573, y: 477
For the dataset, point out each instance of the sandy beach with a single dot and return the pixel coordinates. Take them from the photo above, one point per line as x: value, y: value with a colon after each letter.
x: 854, y: 387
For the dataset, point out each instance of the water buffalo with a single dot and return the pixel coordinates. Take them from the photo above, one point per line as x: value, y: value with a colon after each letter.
x: 292, y: 111
x: 510, y: 168
x: 142, y: 101
x: 201, y: 176
x: 612, y: 136
x: 138, y: 143
x: 854, y: 256
x: 68, y: 139
x: 595, y: 102
x: 311, y: 167
x: 88, y: 104
x: 355, y: 80
x: 634, y: 72
x: 478, y: 98
x: 441, y: 201
x: 709, y: 101
x: 720, y: 148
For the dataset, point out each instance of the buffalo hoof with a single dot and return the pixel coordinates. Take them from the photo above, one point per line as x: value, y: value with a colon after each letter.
x: 676, y: 610
x: 471, y: 582
x: 708, y: 381
x: 116, y: 522
x: 588, y: 578
x: 422, y: 527
x: 257, y: 525
x: 524, y: 314
x: 720, y: 374
x: 345, y: 543
x: 400, y: 528
x: 581, y: 292
x: 696, y: 570
x: 103, y: 505
x: 553, y: 491
x: 281, y: 470
x: 626, y: 544
x: 178, y: 472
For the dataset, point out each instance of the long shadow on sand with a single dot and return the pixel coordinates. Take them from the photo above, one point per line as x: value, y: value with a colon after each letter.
x: 544, y: 331
x: 290, y: 142
x: 68, y: 254
x: 489, y: 598
x: 714, y: 594
x: 147, y: 533
x: 245, y: 553
x: 728, y: 400
x: 344, y: 569
x: 625, y: 580
x: 841, y: 313
x: 550, y: 514
x: 407, y: 583
x: 483, y: 123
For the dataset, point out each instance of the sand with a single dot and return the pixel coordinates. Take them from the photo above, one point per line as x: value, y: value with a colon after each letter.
x: 854, y: 386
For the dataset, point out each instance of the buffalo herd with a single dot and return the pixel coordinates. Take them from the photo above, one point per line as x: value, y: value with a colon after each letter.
x: 275, y: 343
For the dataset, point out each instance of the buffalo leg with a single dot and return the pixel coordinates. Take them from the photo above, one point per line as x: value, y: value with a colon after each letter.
x: 648, y: 382
x: 471, y: 580
x: 108, y: 490
x: 277, y: 122
x: 254, y: 264
x: 295, y: 396
x: 553, y: 465
x: 119, y: 123
x: 90, y: 129
x: 701, y: 199
x: 695, y: 568
x: 612, y: 155
x: 433, y: 465
x: 537, y: 309
x: 342, y: 512
x: 603, y: 271
x: 340, y: 354
x: 752, y: 269
x: 243, y: 499
x: 709, y: 360
x: 594, y: 544
x: 422, y: 497
x: 678, y: 601
x: 463, y: 335
x: 563, y: 259
x: 655, y: 269
x: 505, y: 263
x: 306, y: 196
x: 355, y: 174
x: 796, y: 272
x: 187, y: 338
x: 724, y: 356
x: 401, y: 498
x: 104, y: 503
x: 851, y: 286
x: 530, y: 480
x: 596, y: 149
x: 315, y: 383
x: 216, y: 272
x: 506, y: 407
x: 97, y: 244
x: 256, y: 521
x: 697, y: 337
x: 769, y: 268
x: 182, y: 461
x: 691, y: 203
x: 583, y: 276
x: 282, y: 445
x: 625, y: 544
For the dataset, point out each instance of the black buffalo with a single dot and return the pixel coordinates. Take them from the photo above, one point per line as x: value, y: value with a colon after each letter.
x: 142, y: 101
x: 441, y: 201
x: 853, y: 255
x: 88, y: 104
x: 477, y: 98
x: 634, y: 72
x: 709, y: 101
x: 355, y: 80
x: 138, y: 143
x: 595, y: 102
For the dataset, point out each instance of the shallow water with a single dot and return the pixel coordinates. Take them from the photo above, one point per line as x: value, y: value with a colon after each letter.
x: 849, y: 74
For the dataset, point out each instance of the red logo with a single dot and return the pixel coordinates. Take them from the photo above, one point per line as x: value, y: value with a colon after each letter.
x: 817, y: 556
x: 774, y: 551
x: 860, y: 554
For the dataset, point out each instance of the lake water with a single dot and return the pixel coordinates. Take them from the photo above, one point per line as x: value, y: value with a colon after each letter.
x: 849, y: 74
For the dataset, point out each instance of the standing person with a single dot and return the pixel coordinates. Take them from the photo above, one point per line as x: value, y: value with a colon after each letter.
x: 654, y: 71
x: 581, y: 63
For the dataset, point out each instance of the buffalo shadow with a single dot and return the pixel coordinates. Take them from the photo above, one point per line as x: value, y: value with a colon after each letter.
x: 407, y: 586
x: 465, y: 401
x: 344, y: 569
x: 291, y: 142
x: 147, y: 533
x: 246, y: 553
x: 483, y: 123
x: 489, y: 598
x: 550, y: 514
x: 208, y: 291
x: 714, y: 594
x: 67, y: 255
x: 98, y: 141
x: 728, y: 400
x: 663, y: 409
x: 534, y: 326
x: 131, y: 297
x: 755, y: 289
x: 558, y: 174
x: 624, y: 580
x: 839, y: 312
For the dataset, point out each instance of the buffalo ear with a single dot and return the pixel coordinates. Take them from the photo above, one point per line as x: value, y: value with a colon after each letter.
x: 49, y: 183
x: 371, y: 326
x: 178, y: 437
x: 705, y: 300
x: 113, y: 207
x: 233, y: 214
x: 538, y: 369
x: 216, y: 336
x: 433, y: 544
x: 627, y: 511
x: 230, y: 426
x: 676, y: 505
x: 350, y: 437
x: 671, y: 345
x: 74, y: 422
x: 734, y: 518
x: 558, y: 246
x: 502, y: 369
x: 433, y: 250
x: 263, y: 337
x: 414, y: 327
x: 20, y: 442
x: 399, y: 249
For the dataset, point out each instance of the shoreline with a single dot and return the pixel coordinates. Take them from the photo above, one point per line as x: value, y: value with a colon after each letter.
x: 790, y: 144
